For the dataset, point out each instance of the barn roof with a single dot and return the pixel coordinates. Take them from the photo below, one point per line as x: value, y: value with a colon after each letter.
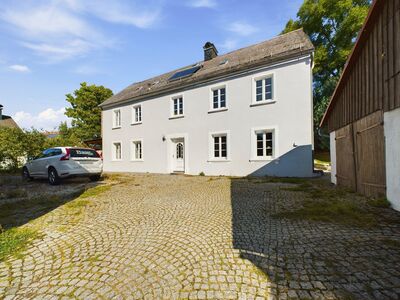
x: 369, y: 23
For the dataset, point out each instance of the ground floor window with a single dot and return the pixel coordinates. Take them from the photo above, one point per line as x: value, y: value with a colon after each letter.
x: 137, y: 150
x: 219, y: 144
x: 264, y: 143
x: 117, y: 151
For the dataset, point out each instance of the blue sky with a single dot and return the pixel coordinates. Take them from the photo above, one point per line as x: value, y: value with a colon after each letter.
x: 49, y: 46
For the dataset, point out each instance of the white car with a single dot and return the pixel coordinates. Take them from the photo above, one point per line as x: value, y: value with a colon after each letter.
x: 61, y: 162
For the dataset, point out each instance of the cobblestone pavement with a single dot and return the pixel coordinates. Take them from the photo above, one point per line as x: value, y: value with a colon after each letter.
x: 178, y: 237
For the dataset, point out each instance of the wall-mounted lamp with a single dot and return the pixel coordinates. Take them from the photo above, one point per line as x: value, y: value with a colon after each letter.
x: 294, y: 145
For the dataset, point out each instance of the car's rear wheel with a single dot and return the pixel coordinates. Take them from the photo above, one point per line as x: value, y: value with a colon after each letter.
x: 25, y: 174
x: 53, y: 177
x: 95, y: 178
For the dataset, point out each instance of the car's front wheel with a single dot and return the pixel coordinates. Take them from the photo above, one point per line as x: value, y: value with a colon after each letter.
x: 53, y: 177
x: 25, y: 174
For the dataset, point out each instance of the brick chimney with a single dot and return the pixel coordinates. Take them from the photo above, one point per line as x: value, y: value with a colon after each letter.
x: 210, y: 51
x: 1, y: 112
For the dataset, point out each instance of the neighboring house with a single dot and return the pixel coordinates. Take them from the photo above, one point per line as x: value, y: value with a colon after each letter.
x: 248, y: 112
x: 51, y: 134
x: 6, y: 121
x: 363, y: 116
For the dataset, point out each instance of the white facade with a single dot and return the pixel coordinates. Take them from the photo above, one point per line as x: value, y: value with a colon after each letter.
x: 175, y: 138
x: 392, y: 154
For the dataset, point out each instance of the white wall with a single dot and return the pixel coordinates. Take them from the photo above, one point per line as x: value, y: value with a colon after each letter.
x: 291, y: 115
x: 332, y: 137
x: 392, y: 138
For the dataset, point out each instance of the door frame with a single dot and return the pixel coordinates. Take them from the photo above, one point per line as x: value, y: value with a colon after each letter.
x: 171, y: 142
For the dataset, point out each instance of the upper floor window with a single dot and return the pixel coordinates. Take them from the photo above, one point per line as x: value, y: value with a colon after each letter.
x: 177, y: 106
x: 137, y: 114
x: 264, y: 89
x: 117, y: 151
x: 219, y: 98
x: 117, y: 118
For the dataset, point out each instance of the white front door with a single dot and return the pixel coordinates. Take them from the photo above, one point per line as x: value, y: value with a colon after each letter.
x: 179, y: 156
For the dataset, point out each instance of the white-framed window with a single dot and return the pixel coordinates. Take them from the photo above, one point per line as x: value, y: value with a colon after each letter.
x: 264, y: 143
x: 177, y: 106
x: 218, y: 98
x: 263, y: 89
x: 137, y: 114
x: 219, y: 146
x: 117, y: 151
x: 137, y: 150
x: 117, y: 118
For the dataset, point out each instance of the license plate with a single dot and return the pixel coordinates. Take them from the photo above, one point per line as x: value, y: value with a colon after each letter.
x: 86, y: 162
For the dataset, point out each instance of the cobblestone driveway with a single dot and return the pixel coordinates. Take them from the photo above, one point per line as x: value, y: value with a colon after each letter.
x: 170, y: 237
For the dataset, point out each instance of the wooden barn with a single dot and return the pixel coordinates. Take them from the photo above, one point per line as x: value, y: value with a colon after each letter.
x: 363, y: 116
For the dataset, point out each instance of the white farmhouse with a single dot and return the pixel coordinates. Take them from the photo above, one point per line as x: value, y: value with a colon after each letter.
x: 248, y: 112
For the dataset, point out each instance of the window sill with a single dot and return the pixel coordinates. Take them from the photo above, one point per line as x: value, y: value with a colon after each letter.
x: 263, y: 159
x: 137, y: 160
x: 136, y: 123
x: 218, y: 160
x: 265, y: 102
x: 116, y: 127
x: 217, y: 110
x: 176, y: 117
x: 116, y: 160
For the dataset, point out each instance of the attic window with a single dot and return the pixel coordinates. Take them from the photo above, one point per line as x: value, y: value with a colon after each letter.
x: 184, y: 73
x: 224, y: 62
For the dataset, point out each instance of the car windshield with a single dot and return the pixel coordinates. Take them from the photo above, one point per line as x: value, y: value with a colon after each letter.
x: 84, y: 153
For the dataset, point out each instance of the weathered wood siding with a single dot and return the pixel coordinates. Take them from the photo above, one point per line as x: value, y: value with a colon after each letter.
x: 360, y: 156
x: 369, y: 145
x: 345, y: 160
x: 372, y: 79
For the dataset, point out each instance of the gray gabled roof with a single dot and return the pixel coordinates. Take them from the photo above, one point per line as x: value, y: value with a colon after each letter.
x: 280, y: 48
x: 7, y: 121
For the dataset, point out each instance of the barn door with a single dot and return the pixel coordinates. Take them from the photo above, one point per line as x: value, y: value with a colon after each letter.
x: 370, y: 155
x: 345, y: 168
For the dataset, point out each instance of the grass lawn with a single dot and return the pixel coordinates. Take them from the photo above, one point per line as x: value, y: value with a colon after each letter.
x: 326, y: 203
x: 16, y: 240
x: 322, y: 160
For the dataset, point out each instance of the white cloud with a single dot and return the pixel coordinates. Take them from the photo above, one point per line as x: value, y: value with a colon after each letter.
x: 242, y: 28
x: 20, y: 68
x: 204, y: 3
x: 56, y: 52
x: 48, y: 119
x: 62, y: 29
x: 46, y: 21
x: 123, y: 12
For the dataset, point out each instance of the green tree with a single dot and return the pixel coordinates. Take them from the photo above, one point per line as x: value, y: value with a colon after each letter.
x: 332, y: 26
x: 85, y: 111
x: 67, y: 137
x: 16, y: 145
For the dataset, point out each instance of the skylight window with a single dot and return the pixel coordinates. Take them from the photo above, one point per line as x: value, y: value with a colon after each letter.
x: 184, y: 73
